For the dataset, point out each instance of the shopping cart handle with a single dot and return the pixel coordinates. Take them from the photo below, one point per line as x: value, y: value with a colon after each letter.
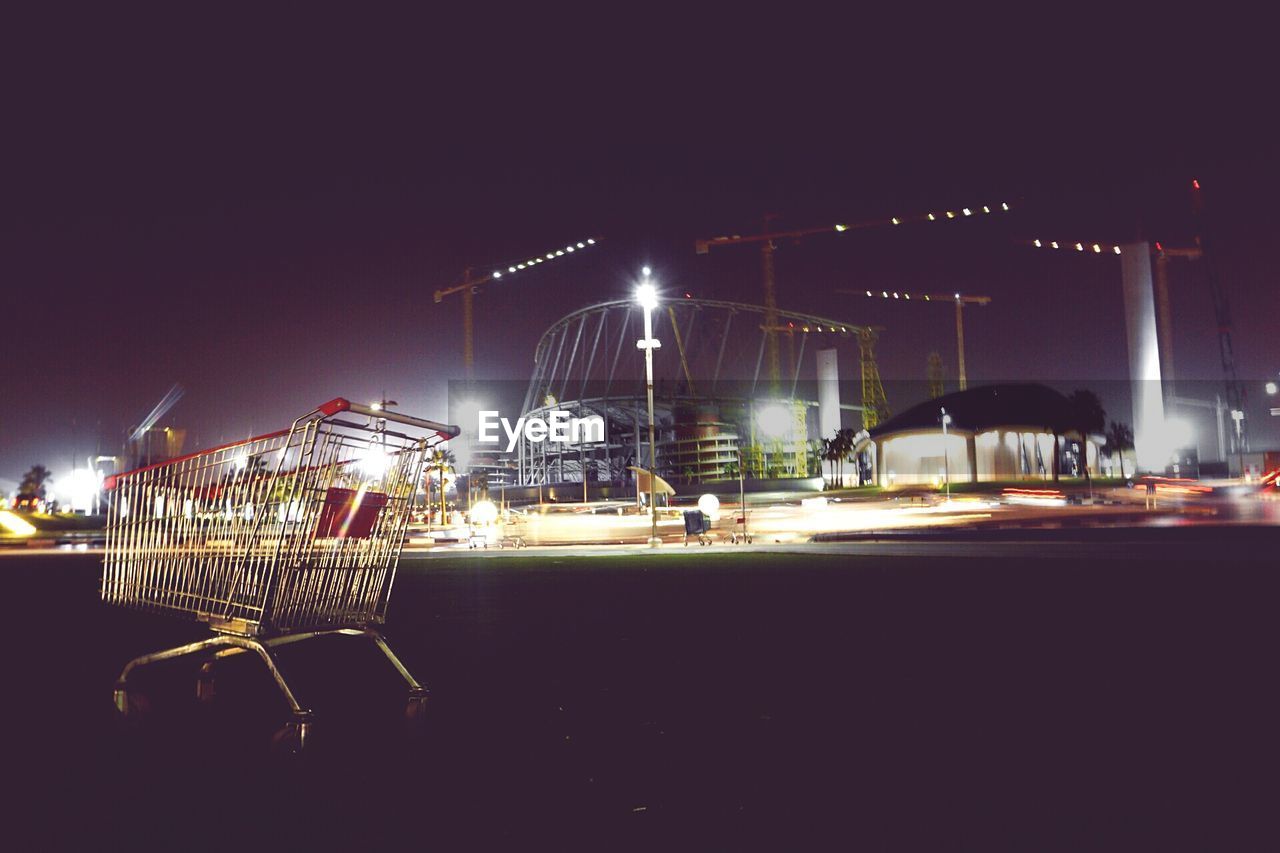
x: 340, y: 404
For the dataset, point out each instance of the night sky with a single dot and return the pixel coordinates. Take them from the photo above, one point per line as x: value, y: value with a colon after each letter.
x: 261, y: 209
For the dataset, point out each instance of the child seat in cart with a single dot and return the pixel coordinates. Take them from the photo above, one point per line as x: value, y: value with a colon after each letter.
x: 276, y: 539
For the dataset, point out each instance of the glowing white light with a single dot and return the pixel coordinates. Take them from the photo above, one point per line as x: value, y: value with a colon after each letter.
x: 968, y: 212
x: 1004, y: 205
x: 497, y: 274
x: 1037, y: 242
x: 581, y: 246
x: 511, y: 269
x: 774, y: 420
x: 569, y: 248
x: 896, y: 221
x: 986, y: 209
x: 1117, y: 249
x: 709, y: 504
x: 1079, y: 247
x: 1054, y: 244
x: 241, y: 462
x: 373, y: 460
x: 591, y: 242
x: 868, y: 293
x: 842, y: 227
x: 906, y: 296
x: 932, y: 217
x: 559, y: 253
x: 81, y: 485
x: 1097, y: 248
x: 885, y: 294
x: 951, y: 214
x: 647, y: 296
x: 519, y: 266
x: 645, y: 271
x: 895, y: 294
x: 550, y: 255
x: 484, y: 512
x: 957, y: 296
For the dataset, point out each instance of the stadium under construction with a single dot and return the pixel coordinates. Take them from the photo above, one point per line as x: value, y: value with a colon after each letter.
x: 720, y: 410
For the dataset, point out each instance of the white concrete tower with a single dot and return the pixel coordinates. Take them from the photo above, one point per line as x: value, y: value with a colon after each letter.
x: 1150, y: 446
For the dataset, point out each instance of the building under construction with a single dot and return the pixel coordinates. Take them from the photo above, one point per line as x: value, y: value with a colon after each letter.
x: 718, y: 408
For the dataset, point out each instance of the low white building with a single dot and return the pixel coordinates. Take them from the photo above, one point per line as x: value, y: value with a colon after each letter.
x: 994, y: 432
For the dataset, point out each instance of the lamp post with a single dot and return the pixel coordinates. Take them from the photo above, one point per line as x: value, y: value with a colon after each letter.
x: 647, y: 296
x: 946, y: 457
x: 742, y: 494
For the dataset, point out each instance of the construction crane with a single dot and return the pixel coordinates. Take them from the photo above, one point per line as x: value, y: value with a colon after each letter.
x: 1235, y: 393
x: 472, y: 282
x: 768, y: 240
x: 958, y: 299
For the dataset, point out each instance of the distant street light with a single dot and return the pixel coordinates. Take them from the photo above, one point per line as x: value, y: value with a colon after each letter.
x: 647, y: 296
x: 946, y: 457
x: 1271, y: 388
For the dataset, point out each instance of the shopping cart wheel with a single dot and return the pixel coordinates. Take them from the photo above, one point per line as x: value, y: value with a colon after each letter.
x: 129, y: 705
x: 293, y: 736
x: 206, y: 687
x: 415, y: 713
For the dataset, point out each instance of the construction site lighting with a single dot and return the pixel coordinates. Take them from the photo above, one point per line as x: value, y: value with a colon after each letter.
x: 647, y: 296
x: 774, y: 420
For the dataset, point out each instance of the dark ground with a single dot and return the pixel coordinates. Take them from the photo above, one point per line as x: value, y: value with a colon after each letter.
x: 706, y: 701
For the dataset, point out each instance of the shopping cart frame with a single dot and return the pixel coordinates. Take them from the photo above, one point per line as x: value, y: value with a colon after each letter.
x: 269, y: 558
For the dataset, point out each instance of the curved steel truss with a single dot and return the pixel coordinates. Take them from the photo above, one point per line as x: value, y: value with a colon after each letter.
x: 708, y: 387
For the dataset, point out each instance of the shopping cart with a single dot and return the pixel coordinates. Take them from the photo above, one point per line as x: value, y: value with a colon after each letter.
x: 272, y: 540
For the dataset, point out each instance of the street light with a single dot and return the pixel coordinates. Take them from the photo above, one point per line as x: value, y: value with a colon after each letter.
x: 647, y: 296
x: 946, y: 457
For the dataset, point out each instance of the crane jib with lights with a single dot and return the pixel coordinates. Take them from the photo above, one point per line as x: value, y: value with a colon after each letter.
x: 768, y: 238
x: 471, y: 283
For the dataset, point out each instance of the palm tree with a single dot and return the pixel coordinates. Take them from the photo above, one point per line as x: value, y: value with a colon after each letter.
x: 827, y: 455
x: 1119, y: 439
x: 1089, y: 417
x: 441, y: 461
x: 33, y: 481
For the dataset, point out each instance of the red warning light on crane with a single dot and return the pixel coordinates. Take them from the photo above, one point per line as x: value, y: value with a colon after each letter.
x: 1195, y: 185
